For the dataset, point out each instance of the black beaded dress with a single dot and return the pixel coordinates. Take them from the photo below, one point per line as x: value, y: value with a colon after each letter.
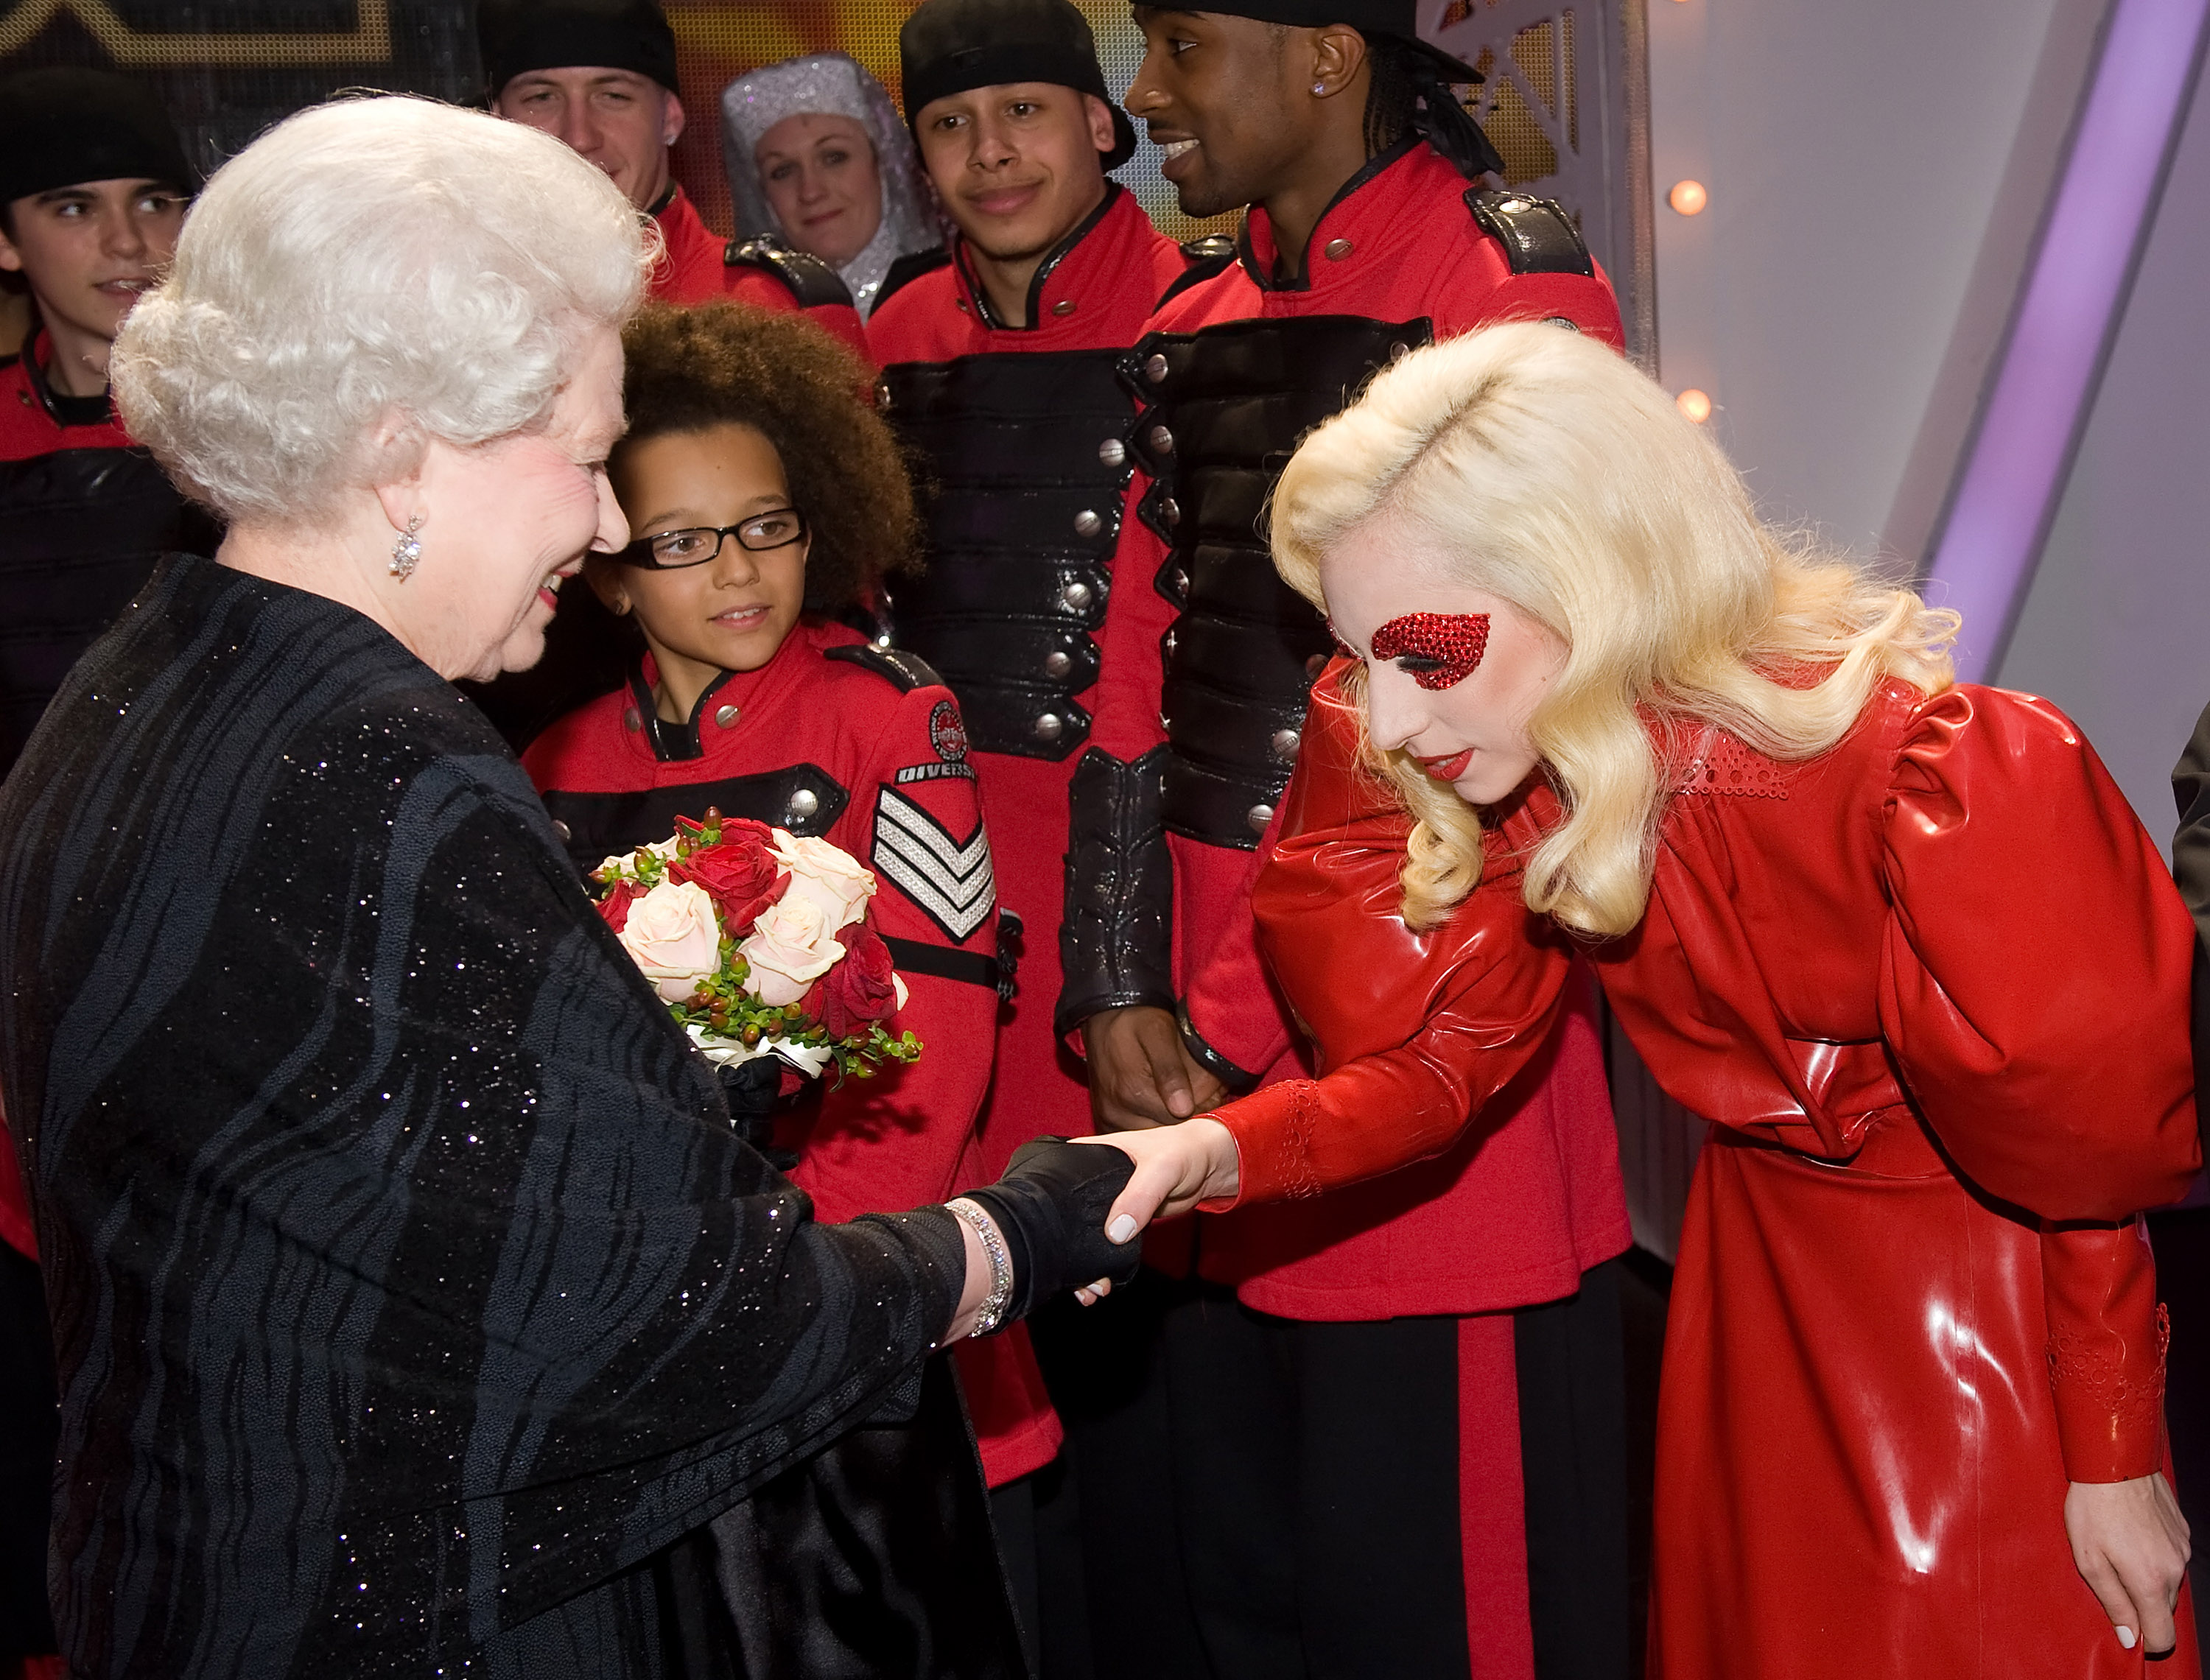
x: 416, y: 1307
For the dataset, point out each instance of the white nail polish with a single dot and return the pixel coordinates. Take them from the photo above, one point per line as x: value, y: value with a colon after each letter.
x: 2126, y: 1637
x: 1121, y: 1229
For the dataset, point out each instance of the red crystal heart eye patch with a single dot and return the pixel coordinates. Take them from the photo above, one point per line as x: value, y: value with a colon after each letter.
x: 1447, y: 646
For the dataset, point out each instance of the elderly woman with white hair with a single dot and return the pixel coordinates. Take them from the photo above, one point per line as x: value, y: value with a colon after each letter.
x: 417, y: 1307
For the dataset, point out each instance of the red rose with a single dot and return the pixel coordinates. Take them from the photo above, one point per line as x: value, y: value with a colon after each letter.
x: 861, y: 987
x: 614, y: 907
x: 740, y: 873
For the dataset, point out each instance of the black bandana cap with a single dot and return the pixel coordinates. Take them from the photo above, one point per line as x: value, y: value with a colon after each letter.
x: 952, y: 46
x: 60, y: 128
x: 517, y: 36
x: 1399, y: 18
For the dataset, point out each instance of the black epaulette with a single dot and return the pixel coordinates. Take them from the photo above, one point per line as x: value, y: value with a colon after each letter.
x: 808, y: 279
x: 909, y: 268
x: 1202, y: 258
x: 903, y: 671
x: 1536, y: 234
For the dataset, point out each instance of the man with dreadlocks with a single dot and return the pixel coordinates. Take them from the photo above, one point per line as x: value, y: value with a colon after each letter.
x: 1395, y: 1415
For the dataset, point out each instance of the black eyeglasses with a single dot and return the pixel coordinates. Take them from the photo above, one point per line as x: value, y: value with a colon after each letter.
x: 672, y: 551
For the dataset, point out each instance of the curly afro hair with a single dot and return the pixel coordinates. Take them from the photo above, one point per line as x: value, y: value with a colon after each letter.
x: 732, y: 365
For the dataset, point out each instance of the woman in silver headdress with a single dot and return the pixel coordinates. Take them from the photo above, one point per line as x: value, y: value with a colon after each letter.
x: 817, y: 155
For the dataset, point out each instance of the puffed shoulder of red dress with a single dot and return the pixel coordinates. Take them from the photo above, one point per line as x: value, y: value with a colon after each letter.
x: 2034, y: 967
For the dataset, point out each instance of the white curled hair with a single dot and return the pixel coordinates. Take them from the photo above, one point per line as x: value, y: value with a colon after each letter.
x: 369, y: 260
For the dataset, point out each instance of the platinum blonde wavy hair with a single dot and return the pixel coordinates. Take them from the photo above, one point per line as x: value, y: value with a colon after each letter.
x: 375, y: 257
x: 1557, y: 478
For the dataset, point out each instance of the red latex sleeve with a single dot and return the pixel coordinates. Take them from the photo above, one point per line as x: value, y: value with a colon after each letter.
x: 1416, y: 1031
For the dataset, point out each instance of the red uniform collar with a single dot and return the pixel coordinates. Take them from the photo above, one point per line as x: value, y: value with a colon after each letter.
x: 691, y: 272
x: 1090, y: 265
x: 36, y: 419
x: 745, y: 690
x: 1381, y: 210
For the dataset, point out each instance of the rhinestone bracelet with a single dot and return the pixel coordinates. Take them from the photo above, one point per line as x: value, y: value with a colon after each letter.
x: 1001, y: 1263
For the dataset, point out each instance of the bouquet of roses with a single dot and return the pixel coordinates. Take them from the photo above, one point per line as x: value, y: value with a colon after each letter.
x: 760, y: 944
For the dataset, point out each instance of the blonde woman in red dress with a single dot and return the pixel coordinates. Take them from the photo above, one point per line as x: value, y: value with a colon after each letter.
x: 1899, y: 938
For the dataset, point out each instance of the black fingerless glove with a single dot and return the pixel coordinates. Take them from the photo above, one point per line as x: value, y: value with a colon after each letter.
x: 1051, y: 1207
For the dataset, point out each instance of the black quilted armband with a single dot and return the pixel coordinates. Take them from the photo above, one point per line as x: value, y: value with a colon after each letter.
x: 1116, y: 942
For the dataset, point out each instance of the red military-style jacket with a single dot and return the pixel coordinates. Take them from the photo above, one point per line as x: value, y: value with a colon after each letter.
x: 699, y: 267
x: 1932, y: 986
x: 1006, y: 416
x: 1207, y: 660
x: 835, y: 737
x: 952, y: 388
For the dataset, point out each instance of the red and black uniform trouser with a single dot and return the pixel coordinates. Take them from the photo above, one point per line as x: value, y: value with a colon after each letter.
x: 1282, y: 1498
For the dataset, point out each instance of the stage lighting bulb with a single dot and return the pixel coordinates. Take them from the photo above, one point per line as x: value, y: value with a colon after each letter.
x: 1694, y: 404
x: 1688, y: 197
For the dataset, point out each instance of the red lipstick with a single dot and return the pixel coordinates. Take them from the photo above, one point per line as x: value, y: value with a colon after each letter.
x: 1450, y: 768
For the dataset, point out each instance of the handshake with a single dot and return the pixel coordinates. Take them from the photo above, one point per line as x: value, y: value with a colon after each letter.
x: 1066, y: 1215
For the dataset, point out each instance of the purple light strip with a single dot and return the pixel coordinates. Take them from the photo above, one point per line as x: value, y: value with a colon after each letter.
x: 2090, y: 244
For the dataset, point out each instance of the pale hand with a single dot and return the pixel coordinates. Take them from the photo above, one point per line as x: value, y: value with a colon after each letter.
x: 2130, y: 1544
x: 1140, y: 1076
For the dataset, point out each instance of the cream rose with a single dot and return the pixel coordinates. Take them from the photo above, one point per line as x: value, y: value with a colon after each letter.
x: 791, y: 946
x: 672, y: 936
x: 826, y: 876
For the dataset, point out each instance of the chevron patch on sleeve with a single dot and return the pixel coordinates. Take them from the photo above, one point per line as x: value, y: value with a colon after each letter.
x: 949, y: 879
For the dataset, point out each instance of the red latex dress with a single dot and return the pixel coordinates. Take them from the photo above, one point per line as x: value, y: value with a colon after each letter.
x: 1933, y: 988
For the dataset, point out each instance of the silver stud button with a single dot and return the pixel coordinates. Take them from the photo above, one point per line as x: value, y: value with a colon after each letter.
x: 1112, y: 452
x: 1162, y: 440
x: 1057, y: 664
x: 1335, y: 250
x: 1087, y: 523
x: 1285, y: 744
x: 1049, y: 727
x: 727, y: 716
x: 563, y: 830
x: 882, y: 397
x: 804, y: 802
x: 1064, y: 306
x: 1076, y: 595
x: 1171, y: 643
x: 1180, y: 582
x: 1155, y: 369
x: 1398, y: 351
x: 631, y: 721
x: 1170, y: 511
x: 1259, y: 816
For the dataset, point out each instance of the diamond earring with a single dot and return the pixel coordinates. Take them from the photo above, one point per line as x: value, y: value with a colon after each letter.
x: 1320, y: 89
x: 407, y: 552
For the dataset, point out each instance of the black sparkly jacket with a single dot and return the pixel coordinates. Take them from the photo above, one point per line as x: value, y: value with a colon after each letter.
x: 413, y: 1299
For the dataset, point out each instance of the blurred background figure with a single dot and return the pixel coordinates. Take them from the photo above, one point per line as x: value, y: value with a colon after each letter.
x: 601, y: 75
x: 815, y: 154
x: 92, y: 188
